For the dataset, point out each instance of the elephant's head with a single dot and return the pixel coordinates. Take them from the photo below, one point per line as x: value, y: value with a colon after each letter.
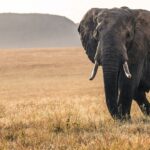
x: 106, y: 37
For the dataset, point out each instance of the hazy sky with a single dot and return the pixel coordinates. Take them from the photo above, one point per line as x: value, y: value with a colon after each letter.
x: 73, y: 9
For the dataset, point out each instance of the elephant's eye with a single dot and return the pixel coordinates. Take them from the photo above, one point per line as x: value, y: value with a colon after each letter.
x: 127, y: 35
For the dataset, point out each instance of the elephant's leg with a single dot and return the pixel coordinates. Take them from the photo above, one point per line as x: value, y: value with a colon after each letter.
x: 140, y: 98
x: 124, y: 104
x: 126, y: 87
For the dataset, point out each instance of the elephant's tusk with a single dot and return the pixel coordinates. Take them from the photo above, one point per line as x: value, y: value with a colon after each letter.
x: 94, y: 71
x: 126, y: 70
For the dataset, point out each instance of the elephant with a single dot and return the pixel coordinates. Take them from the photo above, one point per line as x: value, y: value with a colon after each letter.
x: 118, y: 39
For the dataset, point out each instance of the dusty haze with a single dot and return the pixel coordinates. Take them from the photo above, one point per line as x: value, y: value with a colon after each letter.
x: 37, y: 30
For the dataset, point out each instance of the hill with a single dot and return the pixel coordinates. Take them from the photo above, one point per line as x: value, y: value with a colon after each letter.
x: 37, y: 30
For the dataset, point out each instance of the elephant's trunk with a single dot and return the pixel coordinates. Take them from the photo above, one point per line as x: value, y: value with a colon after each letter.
x: 111, y: 67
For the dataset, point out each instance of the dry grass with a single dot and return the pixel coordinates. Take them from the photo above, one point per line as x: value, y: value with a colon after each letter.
x: 47, y: 102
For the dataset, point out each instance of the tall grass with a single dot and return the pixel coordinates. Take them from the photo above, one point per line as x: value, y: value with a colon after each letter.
x: 47, y: 103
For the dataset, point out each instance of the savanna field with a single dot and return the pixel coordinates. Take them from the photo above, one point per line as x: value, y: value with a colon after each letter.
x: 48, y: 103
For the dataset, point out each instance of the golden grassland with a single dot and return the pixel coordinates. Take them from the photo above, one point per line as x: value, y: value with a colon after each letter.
x: 48, y: 103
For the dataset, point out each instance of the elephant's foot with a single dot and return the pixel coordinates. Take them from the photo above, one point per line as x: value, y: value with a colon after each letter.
x: 124, y: 107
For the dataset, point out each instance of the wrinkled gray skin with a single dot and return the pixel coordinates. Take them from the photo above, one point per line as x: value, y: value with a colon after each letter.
x: 118, y: 39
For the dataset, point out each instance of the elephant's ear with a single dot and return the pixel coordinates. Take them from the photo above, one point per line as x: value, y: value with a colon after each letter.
x: 142, y: 33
